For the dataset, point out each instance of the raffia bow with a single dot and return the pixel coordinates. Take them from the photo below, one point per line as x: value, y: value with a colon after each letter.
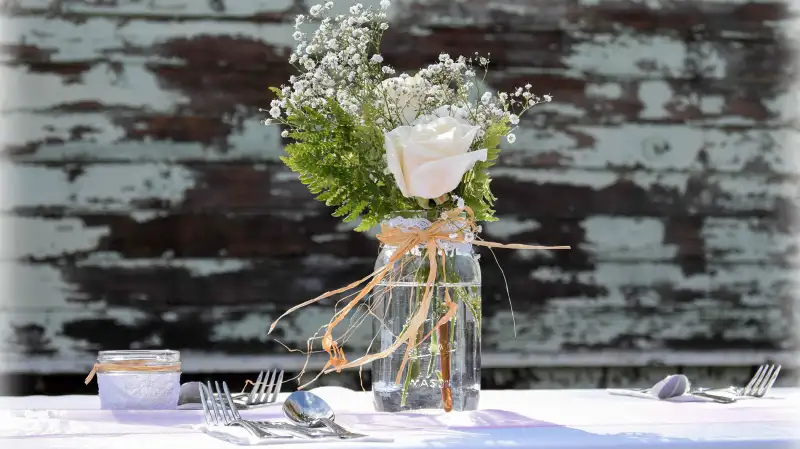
x: 130, y: 365
x: 453, y: 226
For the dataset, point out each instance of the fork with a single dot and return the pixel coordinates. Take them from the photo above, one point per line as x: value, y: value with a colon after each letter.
x: 223, y: 412
x: 759, y: 385
x: 265, y: 390
x: 268, y: 391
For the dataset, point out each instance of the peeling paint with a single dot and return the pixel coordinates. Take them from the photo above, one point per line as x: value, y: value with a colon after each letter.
x: 163, y: 187
x: 256, y: 10
x: 115, y: 187
x: 744, y: 298
x: 51, y: 137
x: 657, y: 147
x: 137, y: 87
x: 41, y: 238
x: 508, y: 227
x: 631, y: 145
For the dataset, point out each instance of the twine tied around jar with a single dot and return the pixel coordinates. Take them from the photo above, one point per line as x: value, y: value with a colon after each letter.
x: 131, y: 365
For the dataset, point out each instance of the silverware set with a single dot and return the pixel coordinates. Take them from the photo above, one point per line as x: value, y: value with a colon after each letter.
x: 221, y: 411
x: 758, y: 387
x: 220, y: 408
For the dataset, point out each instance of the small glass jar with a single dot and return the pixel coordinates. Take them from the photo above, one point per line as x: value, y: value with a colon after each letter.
x: 139, y: 380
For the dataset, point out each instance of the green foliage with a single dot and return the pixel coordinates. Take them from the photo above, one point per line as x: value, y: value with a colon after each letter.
x: 336, y: 158
x: 475, y: 187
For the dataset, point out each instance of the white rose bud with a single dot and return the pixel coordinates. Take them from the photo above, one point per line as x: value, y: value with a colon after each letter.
x: 429, y: 159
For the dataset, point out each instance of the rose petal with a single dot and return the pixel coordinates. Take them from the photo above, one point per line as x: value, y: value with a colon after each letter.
x: 444, y: 136
x: 435, y: 178
x: 394, y: 157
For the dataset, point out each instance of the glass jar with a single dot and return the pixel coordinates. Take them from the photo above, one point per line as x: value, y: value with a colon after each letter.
x: 139, y: 380
x: 444, y: 371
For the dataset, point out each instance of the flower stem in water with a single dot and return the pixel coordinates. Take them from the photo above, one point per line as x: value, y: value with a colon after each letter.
x: 444, y: 356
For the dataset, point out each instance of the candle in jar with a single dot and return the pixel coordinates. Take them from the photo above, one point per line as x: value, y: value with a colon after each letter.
x: 138, y: 380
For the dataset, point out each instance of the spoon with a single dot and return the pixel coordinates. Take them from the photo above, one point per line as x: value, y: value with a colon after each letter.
x: 677, y: 385
x: 310, y: 410
x: 672, y: 386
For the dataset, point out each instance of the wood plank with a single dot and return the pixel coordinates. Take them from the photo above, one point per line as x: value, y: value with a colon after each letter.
x: 566, y: 369
x: 655, y: 147
x: 167, y: 283
x: 714, y: 16
x: 523, y: 192
x: 717, y: 16
x: 613, y: 101
x: 227, y: 306
x: 135, y: 136
x: 41, y: 43
x: 138, y: 136
x: 686, y: 240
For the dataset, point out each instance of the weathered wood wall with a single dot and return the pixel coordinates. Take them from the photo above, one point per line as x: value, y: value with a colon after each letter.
x: 148, y: 208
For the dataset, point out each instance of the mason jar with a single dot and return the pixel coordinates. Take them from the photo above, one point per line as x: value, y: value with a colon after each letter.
x: 446, y: 367
x: 139, y: 379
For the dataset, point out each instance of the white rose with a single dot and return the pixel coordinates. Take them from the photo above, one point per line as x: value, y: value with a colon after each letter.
x: 403, y: 96
x: 429, y: 159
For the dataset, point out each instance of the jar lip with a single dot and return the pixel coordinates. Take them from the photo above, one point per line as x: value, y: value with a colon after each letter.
x: 415, y: 213
x: 153, y: 355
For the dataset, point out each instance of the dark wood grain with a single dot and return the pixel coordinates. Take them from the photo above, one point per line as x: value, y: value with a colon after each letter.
x: 742, y: 17
x: 229, y: 304
x: 523, y: 192
x: 593, y: 238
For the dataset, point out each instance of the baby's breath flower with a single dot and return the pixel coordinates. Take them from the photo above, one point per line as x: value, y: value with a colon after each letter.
x: 284, y: 134
x: 511, y: 138
x: 385, y: 4
x: 514, y: 119
x: 547, y: 98
x: 376, y: 59
x: 315, y: 10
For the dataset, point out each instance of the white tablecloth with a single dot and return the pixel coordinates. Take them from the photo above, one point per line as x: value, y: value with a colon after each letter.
x: 521, y: 419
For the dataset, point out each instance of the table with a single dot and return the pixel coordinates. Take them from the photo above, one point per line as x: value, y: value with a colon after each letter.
x: 521, y: 419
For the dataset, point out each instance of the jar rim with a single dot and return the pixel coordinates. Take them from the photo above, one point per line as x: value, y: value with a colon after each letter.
x: 414, y: 213
x: 150, y: 355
